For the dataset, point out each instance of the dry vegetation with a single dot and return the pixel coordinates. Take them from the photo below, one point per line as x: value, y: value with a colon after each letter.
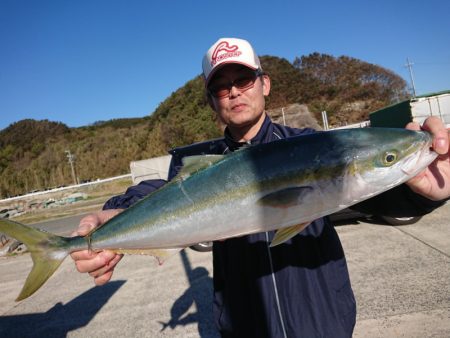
x: 32, y: 153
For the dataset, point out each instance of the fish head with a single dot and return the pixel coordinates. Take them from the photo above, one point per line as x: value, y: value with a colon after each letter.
x: 387, y: 157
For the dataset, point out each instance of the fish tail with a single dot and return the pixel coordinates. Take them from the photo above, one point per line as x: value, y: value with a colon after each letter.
x: 47, y: 251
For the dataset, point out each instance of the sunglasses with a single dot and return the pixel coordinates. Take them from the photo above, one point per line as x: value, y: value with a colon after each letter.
x: 243, y: 83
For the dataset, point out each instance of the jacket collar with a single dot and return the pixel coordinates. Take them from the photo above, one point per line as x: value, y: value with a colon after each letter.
x: 263, y: 136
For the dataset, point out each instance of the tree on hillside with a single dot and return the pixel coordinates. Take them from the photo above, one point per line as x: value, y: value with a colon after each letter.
x: 32, y: 153
x: 347, y: 88
x: 185, y: 117
x: 27, y: 133
x: 285, y: 79
x: 349, y: 79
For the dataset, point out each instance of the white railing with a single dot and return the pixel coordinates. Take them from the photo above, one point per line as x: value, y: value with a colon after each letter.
x: 37, y: 193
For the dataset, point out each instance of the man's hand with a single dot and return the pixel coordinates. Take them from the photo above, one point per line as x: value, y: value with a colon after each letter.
x: 99, y: 265
x: 434, y: 181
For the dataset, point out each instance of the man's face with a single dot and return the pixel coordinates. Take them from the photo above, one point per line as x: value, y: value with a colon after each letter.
x: 244, y: 107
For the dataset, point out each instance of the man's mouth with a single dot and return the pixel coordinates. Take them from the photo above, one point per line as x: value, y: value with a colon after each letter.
x: 238, y: 107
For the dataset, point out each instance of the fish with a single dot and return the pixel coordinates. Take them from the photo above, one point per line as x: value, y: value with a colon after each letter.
x: 282, y: 185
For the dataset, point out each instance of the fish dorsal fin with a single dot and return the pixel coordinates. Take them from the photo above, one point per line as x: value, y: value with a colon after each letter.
x: 286, y: 197
x: 192, y: 164
x: 282, y: 235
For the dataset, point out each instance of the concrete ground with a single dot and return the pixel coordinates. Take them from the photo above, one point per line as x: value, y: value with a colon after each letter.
x: 400, y: 275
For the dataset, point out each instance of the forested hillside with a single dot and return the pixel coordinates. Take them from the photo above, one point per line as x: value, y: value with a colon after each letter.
x: 32, y: 153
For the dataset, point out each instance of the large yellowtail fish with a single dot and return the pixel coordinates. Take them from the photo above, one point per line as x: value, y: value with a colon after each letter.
x: 282, y: 185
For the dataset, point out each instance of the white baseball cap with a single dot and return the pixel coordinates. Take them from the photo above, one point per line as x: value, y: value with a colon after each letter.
x: 226, y: 51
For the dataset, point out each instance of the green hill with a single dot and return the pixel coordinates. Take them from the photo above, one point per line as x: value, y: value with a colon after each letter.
x: 32, y: 153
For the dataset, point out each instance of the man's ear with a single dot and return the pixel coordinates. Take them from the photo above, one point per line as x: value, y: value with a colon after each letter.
x: 266, y: 84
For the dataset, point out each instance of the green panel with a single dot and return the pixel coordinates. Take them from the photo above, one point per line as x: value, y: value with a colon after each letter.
x: 395, y: 116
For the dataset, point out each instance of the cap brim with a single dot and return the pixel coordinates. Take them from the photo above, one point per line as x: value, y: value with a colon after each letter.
x: 225, y: 63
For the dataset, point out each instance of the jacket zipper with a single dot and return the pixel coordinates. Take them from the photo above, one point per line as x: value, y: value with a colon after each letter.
x: 277, y: 298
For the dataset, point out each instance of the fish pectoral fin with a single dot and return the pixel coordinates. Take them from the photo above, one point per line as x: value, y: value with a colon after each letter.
x: 286, y: 197
x: 160, y: 254
x: 282, y: 235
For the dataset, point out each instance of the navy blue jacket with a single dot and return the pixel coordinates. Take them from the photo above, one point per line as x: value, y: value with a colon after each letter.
x: 300, y: 288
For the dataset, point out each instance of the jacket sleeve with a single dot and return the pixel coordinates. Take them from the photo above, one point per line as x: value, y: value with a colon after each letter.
x: 144, y: 188
x: 400, y: 201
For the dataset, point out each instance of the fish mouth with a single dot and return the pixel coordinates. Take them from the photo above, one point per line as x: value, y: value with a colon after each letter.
x: 414, y: 164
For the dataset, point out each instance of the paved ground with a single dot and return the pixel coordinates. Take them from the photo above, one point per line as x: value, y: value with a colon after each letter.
x: 400, y: 275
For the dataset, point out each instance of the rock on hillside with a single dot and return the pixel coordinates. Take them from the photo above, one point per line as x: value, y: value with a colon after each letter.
x: 295, y: 115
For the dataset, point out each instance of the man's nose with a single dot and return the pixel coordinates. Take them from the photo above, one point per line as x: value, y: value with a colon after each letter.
x: 234, y: 91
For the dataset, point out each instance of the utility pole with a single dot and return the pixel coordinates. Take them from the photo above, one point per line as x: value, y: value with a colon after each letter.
x: 409, y: 66
x: 325, y: 120
x: 71, y: 159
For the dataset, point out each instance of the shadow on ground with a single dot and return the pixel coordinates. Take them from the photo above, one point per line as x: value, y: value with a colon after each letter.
x: 199, y: 293
x: 60, y: 319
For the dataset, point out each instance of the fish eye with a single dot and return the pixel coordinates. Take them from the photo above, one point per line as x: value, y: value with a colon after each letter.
x: 389, y: 158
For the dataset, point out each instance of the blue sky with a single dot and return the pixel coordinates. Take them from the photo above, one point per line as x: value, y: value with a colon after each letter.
x: 82, y: 61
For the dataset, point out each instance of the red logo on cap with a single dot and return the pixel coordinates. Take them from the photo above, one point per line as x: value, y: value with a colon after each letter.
x: 226, y: 51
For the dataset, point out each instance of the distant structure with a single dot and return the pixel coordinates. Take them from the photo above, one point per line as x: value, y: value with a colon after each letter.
x: 295, y: 115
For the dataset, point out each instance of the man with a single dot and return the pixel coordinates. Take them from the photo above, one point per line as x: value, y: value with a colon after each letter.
x: 299, y: 288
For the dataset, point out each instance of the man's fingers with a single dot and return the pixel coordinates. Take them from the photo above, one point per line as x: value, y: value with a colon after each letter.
x: 106, y: 215
x: 106, y: 268
x: 87, y: 224
x: 95, y: 262
x: 103, y: 279
x: 91, y: 221
x: 413, y: 126
x: 83, y: 255
x: 440, y: 134
x: 99, y: 265
x: 104, y: 276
